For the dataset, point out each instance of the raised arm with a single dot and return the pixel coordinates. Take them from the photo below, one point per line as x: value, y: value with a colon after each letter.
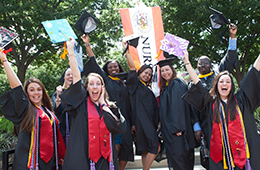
x: 257, y: 63
x: 189, y: 68
x: 12, y: 77
x: 129, y: 58
x: 73, y: 62
x: 85, y: 39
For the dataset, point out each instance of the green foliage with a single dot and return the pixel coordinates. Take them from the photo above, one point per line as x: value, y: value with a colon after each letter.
x: 190, y: 19
x: 6, y: 134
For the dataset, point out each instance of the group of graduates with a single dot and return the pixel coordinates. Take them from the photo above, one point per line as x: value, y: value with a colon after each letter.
x: 92, y: 125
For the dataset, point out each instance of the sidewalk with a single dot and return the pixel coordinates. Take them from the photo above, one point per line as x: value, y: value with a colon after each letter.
x: 137, y: 164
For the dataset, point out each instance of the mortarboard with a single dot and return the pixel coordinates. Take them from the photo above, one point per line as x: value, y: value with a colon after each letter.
x: 131, y: 40
x: 217, y: 19
x: 59, y: 30
x: 6, y: 38
x: 86, y: 23
x: 165, y: 62
x: 173, y: 45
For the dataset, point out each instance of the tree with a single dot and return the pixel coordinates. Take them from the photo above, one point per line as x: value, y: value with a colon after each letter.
x: 33, y: 47
x: 190, y: 20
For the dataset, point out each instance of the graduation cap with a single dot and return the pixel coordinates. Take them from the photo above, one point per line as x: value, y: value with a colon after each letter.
x: 59, y: 30
x: 217, y: 19
x: 131, y: 40
x: 173, y: 46
x: 6, y: 39
x: 86, y: 23
x: 165, y: 62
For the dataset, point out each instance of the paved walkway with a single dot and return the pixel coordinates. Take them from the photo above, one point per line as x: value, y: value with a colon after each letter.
x: 197, y: 167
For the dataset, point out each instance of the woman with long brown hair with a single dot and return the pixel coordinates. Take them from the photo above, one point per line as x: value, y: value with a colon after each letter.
x: 231, y: 130
x: 40, y: 144
x: 174, y: 112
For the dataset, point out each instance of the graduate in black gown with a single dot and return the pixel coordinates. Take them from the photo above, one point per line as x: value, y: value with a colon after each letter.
x: 145, y: 110
x: 40, y: 144
x: 207, y: 74
x: 231, y: 131
x: 96, y: 121
x: 176, y: 127
x: 118, y: 93
x: 58, y: 106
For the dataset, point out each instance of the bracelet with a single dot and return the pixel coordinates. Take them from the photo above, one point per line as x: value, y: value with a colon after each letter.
x: 87, y: 45
x: 186, y: 63
x: 104, y: 104
x: 57, y: 100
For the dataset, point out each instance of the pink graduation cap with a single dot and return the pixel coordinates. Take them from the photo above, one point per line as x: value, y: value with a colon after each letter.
x: 174, y: 45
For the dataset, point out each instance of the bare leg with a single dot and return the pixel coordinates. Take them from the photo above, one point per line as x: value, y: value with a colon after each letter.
x: 148, y: 158
x: 122, y: 164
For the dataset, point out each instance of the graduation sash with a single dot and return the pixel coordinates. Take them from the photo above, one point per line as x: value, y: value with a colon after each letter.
x: 99, y: 135
x: 205, y: 75
x: 47, y: 134
x: 114, y: 78
x: 229, y: 142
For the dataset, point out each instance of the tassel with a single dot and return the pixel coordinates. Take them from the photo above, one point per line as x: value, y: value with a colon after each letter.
x: 92, y: 165
x: 247, y: 165
x: 37, y: 166
x: 111, y: 166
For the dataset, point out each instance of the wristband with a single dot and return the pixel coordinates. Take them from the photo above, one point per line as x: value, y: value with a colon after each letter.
x: 104, y: 104
x: 57, y: 100
x: 87, y: 45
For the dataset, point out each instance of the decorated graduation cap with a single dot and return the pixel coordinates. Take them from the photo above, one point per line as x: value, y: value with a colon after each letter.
x: 86, y: 23
x: 131, y: 40
x: 59, y: 30
x: 173, y: 46
x: 217, y: 19
x: 165, y: 62
x: 6, y: 39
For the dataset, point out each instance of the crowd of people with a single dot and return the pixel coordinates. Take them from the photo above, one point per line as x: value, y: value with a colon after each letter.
x: 93, y: 125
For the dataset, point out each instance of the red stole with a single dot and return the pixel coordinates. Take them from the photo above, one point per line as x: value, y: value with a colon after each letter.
x: 99, y: 135
x: 235, y: 137
x: 46, y: 138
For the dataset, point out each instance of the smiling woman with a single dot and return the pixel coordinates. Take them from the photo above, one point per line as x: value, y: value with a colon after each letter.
x: 40, y: 144
x: 231, y: 129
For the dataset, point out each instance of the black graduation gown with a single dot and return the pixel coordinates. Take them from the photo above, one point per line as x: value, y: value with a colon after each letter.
x: 118, y: 93
x: 146, y: 114
x: 248, y: 98
x: 14, y: 107
x: 61, y: 115
x: 228, y: 62
x: 175, y: 117
x: 76, y: 157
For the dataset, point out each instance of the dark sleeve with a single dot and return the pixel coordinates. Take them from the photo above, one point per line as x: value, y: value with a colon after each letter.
x: 228, y: 62
x: 113, y: 125
x: 14, y: 105
x: 73, y: 97
x: 197, y: 96
x: 131, y: 81
x: 250, y: 89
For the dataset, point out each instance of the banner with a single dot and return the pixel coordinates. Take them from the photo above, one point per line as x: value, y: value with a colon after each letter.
x: 146, y: 21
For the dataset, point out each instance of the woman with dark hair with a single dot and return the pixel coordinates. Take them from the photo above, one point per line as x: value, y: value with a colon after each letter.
x: 40, y: 144
x: 231, y: 131
x: 145, y: 111
x: 118, y: 93
x: 174, y: 112
x: 96, y: 120
x: 58, y: 106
